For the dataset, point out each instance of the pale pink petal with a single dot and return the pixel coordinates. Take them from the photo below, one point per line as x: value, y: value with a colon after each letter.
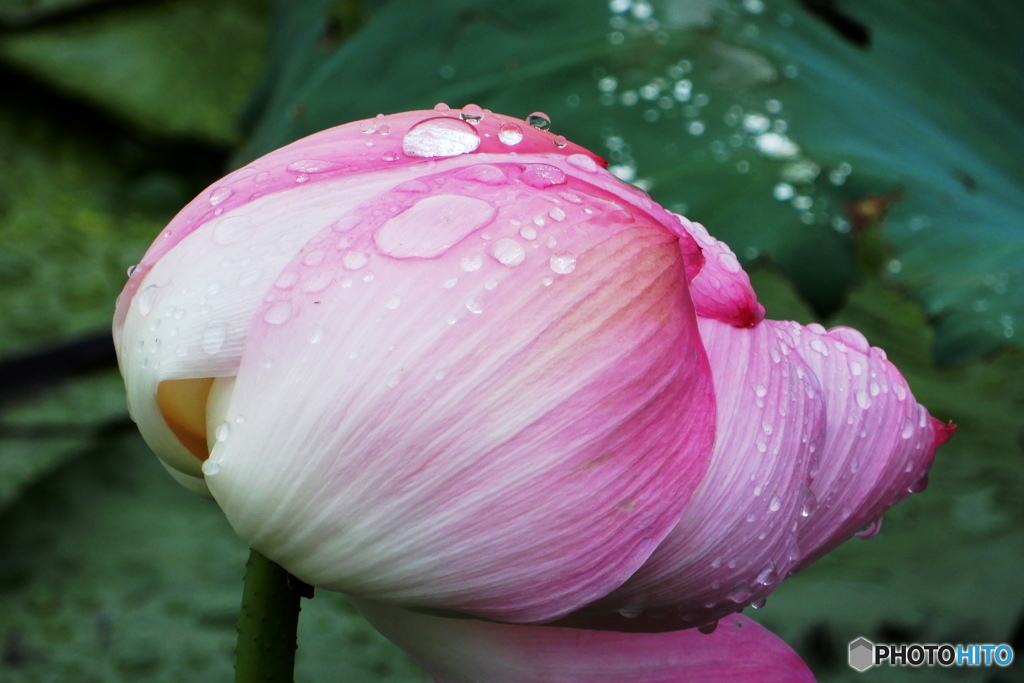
x: 468, y: 651
x: 722, y: 288
x: 879, y: 441
x: 485, y: 421
x: 736, y: 541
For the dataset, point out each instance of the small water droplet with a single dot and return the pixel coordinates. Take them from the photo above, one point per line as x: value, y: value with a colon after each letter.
x: 354, y: 260
x: 278, y: 313
x: 863, y: 399
x: 313, y: 166
x: 760, y: 390
x: 563, y: 264
x: 560, y: 141
x: 471, y: 262
x: 211, y: 467
x: 393, y: 156
x: 222, y: 432
x: 539, y: 119
x: 472, y: 113
x: 440, y: 137
x: 758, y: 603
x: 528, y: 232
x: 510, y: 134
x: 557, y: 214
x: 131, y: 270
x: 819, y: 346
x: 393, y: 302
x: 542, y: 175
x: 708, y: 627
x: 147, y: 299
x: 920, y: 484
x: 870, y: 529
x: 739, y: 593
x: 508, y: 252
x: 774, y: 503
x: 219, y: 195
x: 441, y: 107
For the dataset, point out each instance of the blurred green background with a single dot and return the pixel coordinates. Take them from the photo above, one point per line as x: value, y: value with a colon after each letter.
x: 862, y: 157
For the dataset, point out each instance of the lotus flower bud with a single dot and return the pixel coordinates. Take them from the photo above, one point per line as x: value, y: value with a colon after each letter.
x: 446, y: 360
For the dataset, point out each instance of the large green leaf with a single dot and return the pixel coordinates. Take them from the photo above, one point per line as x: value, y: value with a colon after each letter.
x: 754, y: 117
x: 944, y: 566
x: 180, y: 68
x: 109, y: 571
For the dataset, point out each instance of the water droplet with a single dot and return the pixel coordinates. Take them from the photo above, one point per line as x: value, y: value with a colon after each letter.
x: 354, y: 260
x: 440, y: 137
x: 393, y: 302
x: 557, y: 214
x: 313, y: 166
x: 774, y: 503
x: 908, y: 428
x: 222, y: 432
x: 739, y: 593
x: 393, y: 156
x: 708, y: 627
x: 539, y: 119
x: 278, y: 313
x: 542, y: 175
x: 870, y: 529
x: 631, y: 611
x: 211, y: 467
x: 510, y: 134
x: 214, y: 336
x: 863, y: 400
x: 147, y: 299
x: 560, y: 141
x: 471, y: 262
x: 758, y: 603
x: 508, y: 252
x: 472, y: 113
x: 451, y: 219
x: 760, y: 390
x: 131, y: 270
x: 441, y: 107
x: 563, y: 264
x: 819, y: 346
x: 528, y: 232
x: 920, y: 484
x: 475, y: 304
x: 219, y: 195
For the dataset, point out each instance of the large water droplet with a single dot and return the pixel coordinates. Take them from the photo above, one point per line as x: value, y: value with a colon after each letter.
x: 583, y: 162
x: 211, y: 467
x: 539, y: 119
x: 440, y: 137
x: 214, y: 336
x: 508, y: 252
x: 510, y: 134
x: 431, y: 226
x: 870, y: 529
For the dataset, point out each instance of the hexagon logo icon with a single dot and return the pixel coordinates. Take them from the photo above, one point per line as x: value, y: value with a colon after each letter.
x: 862, y: 654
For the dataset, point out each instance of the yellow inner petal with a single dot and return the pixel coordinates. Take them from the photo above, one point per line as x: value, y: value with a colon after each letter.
x: 183, y: 404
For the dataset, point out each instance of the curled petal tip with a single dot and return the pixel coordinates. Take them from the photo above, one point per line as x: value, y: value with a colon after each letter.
x: 943, y: 431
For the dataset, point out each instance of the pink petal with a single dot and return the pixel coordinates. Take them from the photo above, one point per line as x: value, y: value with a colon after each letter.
x: 464, y: 650
x: 879, y: 441
x: 736, y: 541
x: 482, y: 419
x: 722, y: 288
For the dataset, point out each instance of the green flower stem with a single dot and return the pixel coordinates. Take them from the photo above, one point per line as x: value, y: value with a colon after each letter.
x: 268, y: 622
